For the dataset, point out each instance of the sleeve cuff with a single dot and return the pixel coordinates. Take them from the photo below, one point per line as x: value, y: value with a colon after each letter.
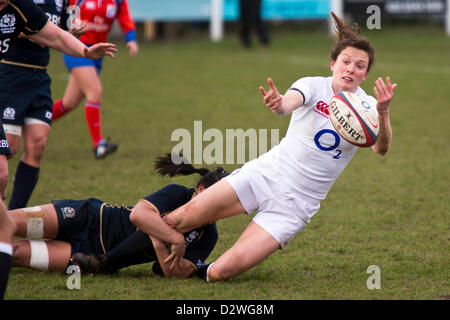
x: 130, y: 36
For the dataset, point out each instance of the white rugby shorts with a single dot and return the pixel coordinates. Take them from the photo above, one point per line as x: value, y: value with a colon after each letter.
x: 280, y: 212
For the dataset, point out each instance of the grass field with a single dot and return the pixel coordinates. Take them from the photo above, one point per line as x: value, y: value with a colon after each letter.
x: 390, y: 211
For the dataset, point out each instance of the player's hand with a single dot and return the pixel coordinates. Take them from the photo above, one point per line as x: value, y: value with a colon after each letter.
x: 176, y: 253
x: 133, y: 48
x: 272, y: 98
x: 384, y: 93
x: 100, y: 50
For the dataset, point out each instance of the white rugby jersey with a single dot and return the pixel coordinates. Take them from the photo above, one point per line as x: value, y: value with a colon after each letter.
x: 312, y: 154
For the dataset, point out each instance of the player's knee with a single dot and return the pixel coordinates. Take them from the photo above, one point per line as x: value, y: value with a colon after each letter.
x: 8, y: 226
x: 37, y: 147
x: 21, y: 253
x: 220, y: 273
x: 95, y: 93
x: 13, y: 148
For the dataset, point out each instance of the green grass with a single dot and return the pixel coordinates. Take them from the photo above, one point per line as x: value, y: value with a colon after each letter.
x: 390, y: 211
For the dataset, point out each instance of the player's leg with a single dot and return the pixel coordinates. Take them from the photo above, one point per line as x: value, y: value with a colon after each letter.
x: 73, y: 95
x: 88, y: 81
x: 245, y: 24
x: 254, y: 245
x: 36, y: 222
x: 7, y: 229
x: 260, y: 25
x: 51, y: 255
x: 35, y: 134
x: 216, y: 202
x: 137, y: 248
x: 13, y: 135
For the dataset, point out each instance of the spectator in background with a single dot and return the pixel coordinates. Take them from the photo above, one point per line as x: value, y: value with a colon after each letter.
x: 84, y: 81
x: 250, y: 16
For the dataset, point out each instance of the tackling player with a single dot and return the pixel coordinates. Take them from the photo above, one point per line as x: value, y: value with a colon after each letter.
x: 102, y: 237
x: 84, y: 81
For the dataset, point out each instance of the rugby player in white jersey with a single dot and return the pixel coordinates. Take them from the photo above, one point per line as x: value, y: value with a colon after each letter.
x: 286, y: 184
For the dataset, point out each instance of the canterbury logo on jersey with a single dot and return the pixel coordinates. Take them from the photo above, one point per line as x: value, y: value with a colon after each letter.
x: 323, y: 109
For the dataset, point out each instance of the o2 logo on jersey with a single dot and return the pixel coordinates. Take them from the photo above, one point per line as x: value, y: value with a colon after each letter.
x: 337, y: 141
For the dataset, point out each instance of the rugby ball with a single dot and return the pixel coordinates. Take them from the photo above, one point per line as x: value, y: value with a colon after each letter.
x: 354, y: 119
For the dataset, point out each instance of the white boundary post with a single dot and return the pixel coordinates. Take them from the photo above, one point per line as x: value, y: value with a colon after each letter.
x: 216, y: 20
x: 337, y: 7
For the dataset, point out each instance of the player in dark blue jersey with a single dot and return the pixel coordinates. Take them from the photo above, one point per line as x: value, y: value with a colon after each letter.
x: 93, y: 230
x: 26, y: 102
x: 24, y: 18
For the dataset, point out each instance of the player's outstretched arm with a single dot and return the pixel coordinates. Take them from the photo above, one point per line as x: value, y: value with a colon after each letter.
x: 56, y: 38
x: 384, y: 93
x: 278, y: 103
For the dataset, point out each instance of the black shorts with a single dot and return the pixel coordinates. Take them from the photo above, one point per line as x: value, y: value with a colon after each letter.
x: 79, y: 224
x: 25, y: 93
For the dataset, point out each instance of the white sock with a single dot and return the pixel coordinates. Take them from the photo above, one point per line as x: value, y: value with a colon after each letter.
x: 207, y: 270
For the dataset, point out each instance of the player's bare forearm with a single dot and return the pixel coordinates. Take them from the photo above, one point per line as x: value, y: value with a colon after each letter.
x: 278, y: 103
x: 56, y: 38
x: 162, y: 252
x: 385, y: 134
x: 384, y: 93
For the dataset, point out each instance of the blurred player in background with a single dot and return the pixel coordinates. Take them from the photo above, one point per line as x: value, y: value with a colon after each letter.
x: 250, y: 18
x: 84, y: 81
x: 26, y: 103
x: 104, y: 238
x: 23, y: 16
x: 287, y: 184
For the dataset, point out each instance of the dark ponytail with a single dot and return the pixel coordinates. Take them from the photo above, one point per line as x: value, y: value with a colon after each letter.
x: 174, y: 165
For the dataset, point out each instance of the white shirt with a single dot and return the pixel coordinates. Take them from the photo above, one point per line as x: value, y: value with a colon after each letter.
x: 312, y: 154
